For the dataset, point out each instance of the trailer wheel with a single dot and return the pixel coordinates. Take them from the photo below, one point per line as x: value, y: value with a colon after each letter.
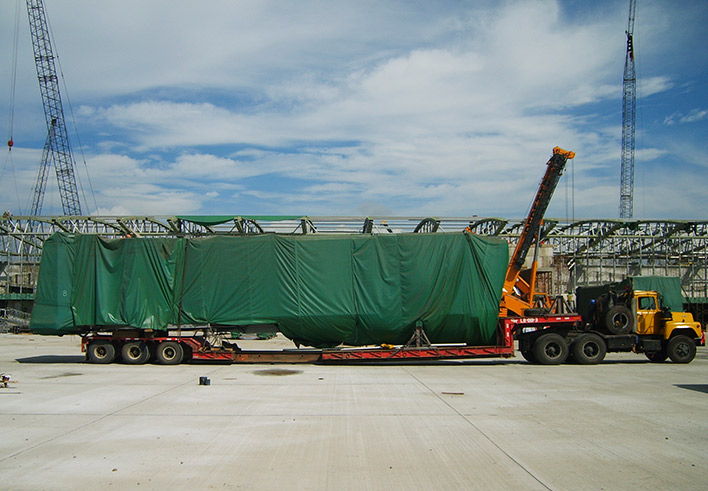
x: 618, y: 320
x: 657, y: 356
x: 135, y: 353
x: 589, y: 349
x: 101, y: 352
x: 550, y: 349
x: 169, y: 353
x: 681, y: 349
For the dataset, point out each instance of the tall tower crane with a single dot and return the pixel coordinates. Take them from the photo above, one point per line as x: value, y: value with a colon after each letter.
x: 57, y: 150
x: 629, y: 112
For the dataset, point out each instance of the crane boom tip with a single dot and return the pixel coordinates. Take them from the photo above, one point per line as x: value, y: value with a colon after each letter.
x: 566, y: 153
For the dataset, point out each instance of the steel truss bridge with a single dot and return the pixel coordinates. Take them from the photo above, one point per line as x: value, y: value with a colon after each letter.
x: 577, y: 252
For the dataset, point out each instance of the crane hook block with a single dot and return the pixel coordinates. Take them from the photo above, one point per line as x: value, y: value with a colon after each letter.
x: 10, y: 143
x: 566, y: 153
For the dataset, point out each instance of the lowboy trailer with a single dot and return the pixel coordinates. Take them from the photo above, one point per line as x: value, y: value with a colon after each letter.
x: 172, y: 350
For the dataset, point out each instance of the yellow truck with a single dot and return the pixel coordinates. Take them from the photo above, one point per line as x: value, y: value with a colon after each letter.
x: 641, y: 314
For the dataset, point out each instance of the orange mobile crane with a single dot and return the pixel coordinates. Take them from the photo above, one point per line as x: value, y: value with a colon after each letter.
x: 519, y: 296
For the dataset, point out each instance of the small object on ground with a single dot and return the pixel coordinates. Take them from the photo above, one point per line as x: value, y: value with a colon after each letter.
x: 4, y: 380
x: 204, y: 381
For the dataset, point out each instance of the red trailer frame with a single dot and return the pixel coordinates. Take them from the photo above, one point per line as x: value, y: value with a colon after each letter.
x: 418, y: 348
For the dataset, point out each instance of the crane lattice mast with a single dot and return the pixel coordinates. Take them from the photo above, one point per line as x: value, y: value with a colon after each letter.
x: 629, y: 111
x: 57, y: 150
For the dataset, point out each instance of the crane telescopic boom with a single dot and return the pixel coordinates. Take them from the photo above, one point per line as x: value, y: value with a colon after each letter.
x: 518, y: 294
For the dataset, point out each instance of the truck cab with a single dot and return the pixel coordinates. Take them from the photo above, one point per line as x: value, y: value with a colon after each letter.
x: 655, y: 320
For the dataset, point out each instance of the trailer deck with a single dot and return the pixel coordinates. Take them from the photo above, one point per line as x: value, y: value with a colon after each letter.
x: 419, y: 347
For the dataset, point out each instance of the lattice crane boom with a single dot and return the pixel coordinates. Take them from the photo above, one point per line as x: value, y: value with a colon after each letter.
x: 57, y: 150
x: 629, y: 112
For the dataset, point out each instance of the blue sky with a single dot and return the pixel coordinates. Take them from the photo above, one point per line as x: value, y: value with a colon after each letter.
x: 396, y: 108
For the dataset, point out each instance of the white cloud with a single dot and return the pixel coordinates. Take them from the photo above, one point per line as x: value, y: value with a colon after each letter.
x: 694, y: 116
x: 348, y: 106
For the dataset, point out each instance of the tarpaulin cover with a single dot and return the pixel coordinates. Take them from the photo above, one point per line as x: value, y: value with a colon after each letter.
x: 668, y: 287
x: 321, y: 290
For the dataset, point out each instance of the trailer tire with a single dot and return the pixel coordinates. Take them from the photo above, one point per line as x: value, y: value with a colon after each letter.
x: 550, y: 349
x: 589, y: 349
x: 101, y: 352
x: 135, y: 353
x: 619, y: 320
x: 681, y: 349
x: 169, y: 353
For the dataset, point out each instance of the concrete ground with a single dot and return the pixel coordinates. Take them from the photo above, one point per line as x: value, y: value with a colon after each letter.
x: 500, y: 424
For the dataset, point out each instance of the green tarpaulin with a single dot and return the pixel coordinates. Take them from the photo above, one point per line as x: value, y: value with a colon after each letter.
x: 321, y: 290
x: 668, y: 287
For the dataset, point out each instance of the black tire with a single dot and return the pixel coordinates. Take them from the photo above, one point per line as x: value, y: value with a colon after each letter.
x: 619, y: 320
x: 187, y: 354
x: 169, y: 353
x: 101, y: 352
x: 589, y: 349
x: 550, y: 349
x: 135, y: 353
x: 657, y: 356
x: 529, y: 356
x: 681, y: 349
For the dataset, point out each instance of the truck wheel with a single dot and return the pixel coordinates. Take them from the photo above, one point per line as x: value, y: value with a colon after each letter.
x: 529, y: 356
x: 550, y: 349
x: 657, y: 356
x: 681, y: 349
x: 169, y: 353
x: 135, y: 353
x: 618, y: 320
x: 589, y: 349
x: 101, y: 352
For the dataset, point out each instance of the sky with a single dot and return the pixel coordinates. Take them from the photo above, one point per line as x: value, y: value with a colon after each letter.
x: 361, y: 108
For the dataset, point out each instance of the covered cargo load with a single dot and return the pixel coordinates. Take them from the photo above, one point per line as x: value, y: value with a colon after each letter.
x: 321, y: 290
x: 668, y: 287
